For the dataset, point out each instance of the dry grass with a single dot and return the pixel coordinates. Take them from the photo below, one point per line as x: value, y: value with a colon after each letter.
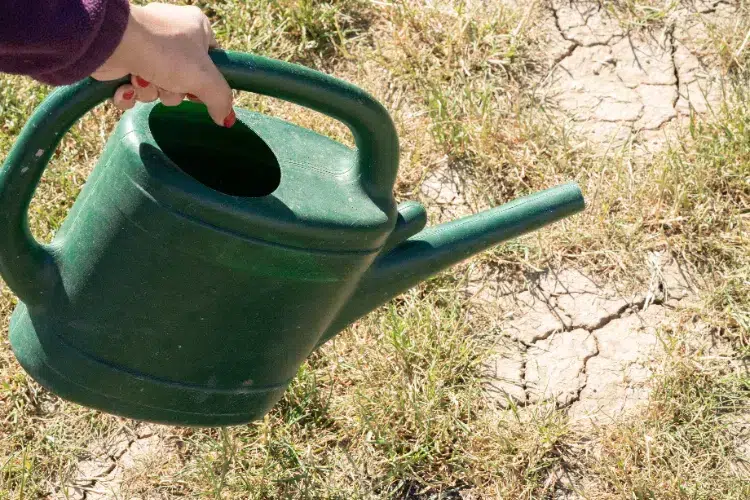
x: 640, y: 14
x: 394, y: 407
x: 679, y: 447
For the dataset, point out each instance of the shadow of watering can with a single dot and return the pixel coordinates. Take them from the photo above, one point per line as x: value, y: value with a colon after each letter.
x: 200, y: 266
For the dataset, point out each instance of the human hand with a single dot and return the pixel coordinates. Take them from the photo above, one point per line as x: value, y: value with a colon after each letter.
x: 165, y: 50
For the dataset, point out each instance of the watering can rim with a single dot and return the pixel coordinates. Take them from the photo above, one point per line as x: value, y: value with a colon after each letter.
x: 279, y: 218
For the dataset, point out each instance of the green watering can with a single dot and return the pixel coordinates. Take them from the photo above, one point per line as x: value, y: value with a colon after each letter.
x: 200, y: 266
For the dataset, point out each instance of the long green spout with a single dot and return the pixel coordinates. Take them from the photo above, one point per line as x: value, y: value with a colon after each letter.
x: 437, y: 248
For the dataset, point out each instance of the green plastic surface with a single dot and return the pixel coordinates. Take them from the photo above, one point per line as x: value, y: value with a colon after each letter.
x: 200, y: 266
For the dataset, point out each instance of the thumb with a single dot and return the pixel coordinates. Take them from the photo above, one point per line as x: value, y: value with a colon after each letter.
x: 211, y: 88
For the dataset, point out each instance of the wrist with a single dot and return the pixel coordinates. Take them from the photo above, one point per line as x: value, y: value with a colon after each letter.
x: 132, y: 40
x: 128, y: 52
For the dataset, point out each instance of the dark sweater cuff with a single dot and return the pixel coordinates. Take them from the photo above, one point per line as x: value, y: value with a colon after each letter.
x: 104, y: 43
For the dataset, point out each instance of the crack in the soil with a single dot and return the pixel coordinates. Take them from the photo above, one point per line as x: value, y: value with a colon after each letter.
x: 93, y: 482
x: 604, y: 321
x: 673, y: 43
x: 566, y: 37
x: 568, y: 52
x: 713, y: 7
x: 524, y: 385
x: 661, y: 124
x: 545, y: 336
x: 574, y: 43
x: 605, y: 43
x: 641, y: 112
x: 584, y: 370
x: 649, y: 84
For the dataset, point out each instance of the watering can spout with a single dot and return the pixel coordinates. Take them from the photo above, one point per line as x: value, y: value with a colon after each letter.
x: 413, y: 255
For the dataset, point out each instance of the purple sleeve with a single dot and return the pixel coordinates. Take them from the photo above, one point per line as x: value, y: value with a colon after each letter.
x: 59, y: 42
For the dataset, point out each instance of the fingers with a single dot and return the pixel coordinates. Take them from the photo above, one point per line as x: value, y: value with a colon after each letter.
x: 144, y: 91
x: 170, y: 98
x: 141, y: 90
x: 211, y: 88
x: 222, y: 98
x: 124, y: 97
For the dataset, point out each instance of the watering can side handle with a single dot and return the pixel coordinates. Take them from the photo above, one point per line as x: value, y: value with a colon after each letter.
x: 28, y: 267
x: 369, y: 122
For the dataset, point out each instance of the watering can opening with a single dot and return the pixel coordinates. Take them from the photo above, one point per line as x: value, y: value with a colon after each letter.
x: 234, y: 161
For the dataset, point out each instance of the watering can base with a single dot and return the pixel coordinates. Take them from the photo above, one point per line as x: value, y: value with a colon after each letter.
x: 78, y: 378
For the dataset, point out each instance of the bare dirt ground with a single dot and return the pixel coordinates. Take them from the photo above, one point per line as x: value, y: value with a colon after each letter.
x: 615, y: 82
x: 582, y: 344
x: 116, y: 466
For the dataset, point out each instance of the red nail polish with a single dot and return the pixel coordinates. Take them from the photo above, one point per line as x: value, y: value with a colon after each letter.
x: 229, y: 120
x: 141, y: 82
x: 128, y: 95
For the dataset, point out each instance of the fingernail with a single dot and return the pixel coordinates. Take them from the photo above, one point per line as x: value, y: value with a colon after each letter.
x: 128, y: 95
x: 141, y: 82
x: 229, y: 120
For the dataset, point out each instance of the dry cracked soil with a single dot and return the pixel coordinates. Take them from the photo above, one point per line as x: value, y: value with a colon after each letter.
x: 616, y: 84
x: 121, y: 461
x: 581, y: 344
x: 567, y: 338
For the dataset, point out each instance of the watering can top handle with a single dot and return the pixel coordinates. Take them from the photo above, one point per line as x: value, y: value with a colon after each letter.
x: 29, y: 268
x: 369, y: 122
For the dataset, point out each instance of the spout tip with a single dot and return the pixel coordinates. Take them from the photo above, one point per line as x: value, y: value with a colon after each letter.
x: 571, y: 191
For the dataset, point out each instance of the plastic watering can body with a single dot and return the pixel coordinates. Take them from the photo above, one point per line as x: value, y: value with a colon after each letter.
x: 200, y: 266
